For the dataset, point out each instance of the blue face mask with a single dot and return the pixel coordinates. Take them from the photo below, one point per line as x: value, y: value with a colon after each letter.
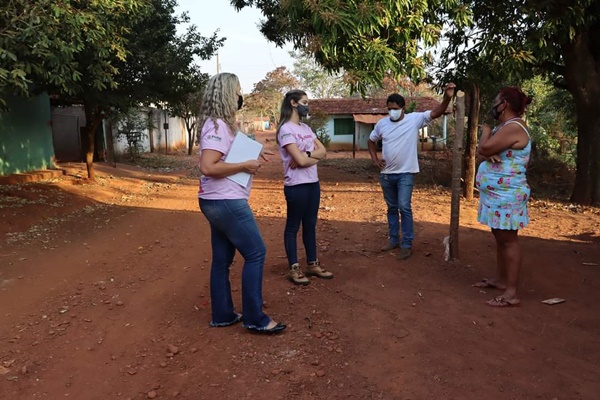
x: 302, y: 110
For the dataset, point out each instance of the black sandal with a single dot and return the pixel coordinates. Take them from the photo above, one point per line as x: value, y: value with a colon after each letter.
x: 264, y: 331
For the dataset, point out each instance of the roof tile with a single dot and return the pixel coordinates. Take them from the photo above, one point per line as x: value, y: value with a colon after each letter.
x: 367, y: 106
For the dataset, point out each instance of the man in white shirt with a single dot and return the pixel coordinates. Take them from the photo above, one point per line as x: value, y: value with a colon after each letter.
x: 399, y: 163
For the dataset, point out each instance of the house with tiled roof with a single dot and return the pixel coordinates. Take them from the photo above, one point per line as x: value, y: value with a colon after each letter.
x: 255, y: 124
x: 351, y: 120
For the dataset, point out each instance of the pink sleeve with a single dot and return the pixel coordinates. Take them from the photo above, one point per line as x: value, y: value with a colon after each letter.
x: 286, y: 136
x: 215, y: 139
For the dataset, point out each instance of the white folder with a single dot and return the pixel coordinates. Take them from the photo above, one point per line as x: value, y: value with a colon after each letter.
x: 242, y: 149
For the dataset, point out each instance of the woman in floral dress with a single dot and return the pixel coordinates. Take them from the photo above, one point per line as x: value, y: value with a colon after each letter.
x: 502, y: 183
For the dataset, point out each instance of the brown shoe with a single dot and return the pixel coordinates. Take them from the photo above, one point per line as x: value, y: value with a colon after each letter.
x: 404, y: 253
x: 314, y: 269
x: 388, y: 247
x: 296, y: 276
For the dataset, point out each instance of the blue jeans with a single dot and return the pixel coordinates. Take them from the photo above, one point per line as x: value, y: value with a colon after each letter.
x: 232, y: 226
x: 397, y: 192
x: 302, y: 208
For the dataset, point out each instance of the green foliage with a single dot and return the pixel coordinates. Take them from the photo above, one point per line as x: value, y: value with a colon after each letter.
x: 267, y: 95
x: 485, y: 42
x: 160, y: 66
x: 132, y: 129
x: 111, y: 50
x: 186, y: 105
x: 113, y: 53
x: 314, y: 78
x: 317, y: 122
x: 365, y: 38
x: 42, y: 44
x: 507, y: 45
x: 513, y: 40
x: 552, y: 122
x: 105, y: 54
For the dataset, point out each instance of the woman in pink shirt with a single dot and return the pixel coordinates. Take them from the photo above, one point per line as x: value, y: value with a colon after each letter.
x: 300, y: 152
x: 224, y: 203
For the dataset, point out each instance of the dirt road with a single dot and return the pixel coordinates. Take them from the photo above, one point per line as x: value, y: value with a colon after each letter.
x: 104, y: 295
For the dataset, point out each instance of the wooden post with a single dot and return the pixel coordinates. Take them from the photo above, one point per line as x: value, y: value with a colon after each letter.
x: 151, y: 129
x: 356, y: 128
x: 456, y: 173
x: 471, y: 142
x: 166, y: 128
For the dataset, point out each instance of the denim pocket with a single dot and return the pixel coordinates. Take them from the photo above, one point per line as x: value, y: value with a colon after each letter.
x: 210, y: 208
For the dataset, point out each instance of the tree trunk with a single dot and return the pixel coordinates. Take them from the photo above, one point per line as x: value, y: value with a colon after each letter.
x: 456, y: 174
x: 582, y: 74
x: 471, y: 145
x: 93, y: 117
x: 110, y: 144
x: 189, y: 126
x: 595, y: 173
x: 582, y: 190
x: 190, y: 144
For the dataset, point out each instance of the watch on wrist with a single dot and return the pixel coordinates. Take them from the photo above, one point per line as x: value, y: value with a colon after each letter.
x: 308, y: 153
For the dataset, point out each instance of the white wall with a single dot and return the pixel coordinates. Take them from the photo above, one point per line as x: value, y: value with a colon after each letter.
x: 345, y: 141
x: 338, y: 139
x: 176, y: 134
x: 364, y: 130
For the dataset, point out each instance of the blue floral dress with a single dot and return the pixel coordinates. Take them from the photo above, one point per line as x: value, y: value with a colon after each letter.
x: 503, y: 189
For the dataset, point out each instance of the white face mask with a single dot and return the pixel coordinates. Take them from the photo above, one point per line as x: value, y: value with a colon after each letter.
x: 395, y: 115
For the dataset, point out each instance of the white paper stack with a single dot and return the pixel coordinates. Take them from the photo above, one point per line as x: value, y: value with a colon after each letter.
x: 242, y: 149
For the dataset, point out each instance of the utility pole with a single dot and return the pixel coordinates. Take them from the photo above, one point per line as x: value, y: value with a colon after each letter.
x: 218, y: 64
x: 166, y: 128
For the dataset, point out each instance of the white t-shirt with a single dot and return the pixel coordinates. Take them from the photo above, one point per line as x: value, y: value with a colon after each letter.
x: 399, y: 141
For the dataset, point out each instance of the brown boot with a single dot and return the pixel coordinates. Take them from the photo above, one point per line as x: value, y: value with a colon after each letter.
x: 388, y: 247
x: 314, y: 269
x: 296, y: 276
x: 404, y: 253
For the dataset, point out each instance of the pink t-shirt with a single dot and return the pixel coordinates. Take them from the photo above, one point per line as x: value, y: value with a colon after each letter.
x: 304, y: 138
x: 219, y: 140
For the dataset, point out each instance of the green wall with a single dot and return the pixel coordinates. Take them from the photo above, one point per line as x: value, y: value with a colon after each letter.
x: 26, y: 135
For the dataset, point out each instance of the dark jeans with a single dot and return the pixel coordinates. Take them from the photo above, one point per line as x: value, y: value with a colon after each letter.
x: 397, y: 192
x: 302, y: 208
x: 232, y: 226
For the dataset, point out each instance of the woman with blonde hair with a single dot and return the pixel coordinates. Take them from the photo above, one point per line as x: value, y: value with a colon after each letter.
x: 224, y: 203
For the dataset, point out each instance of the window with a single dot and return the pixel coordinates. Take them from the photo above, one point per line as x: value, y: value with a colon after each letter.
x: 343, y: 126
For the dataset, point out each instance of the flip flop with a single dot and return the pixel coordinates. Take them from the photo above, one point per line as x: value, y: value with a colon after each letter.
x: 501, y: 302
x: 487, y: 283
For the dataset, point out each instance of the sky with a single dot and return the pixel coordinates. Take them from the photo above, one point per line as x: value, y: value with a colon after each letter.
x: 246, y: 52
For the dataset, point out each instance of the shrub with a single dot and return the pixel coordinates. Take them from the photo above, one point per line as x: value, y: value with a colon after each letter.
x: 132, y: 129
x: 317, y: 123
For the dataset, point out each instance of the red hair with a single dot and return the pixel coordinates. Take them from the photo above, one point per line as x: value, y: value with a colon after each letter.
x: 516, y: 98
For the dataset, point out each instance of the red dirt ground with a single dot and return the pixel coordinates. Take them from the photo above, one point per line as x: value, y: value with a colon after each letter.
x: 98, y: 282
